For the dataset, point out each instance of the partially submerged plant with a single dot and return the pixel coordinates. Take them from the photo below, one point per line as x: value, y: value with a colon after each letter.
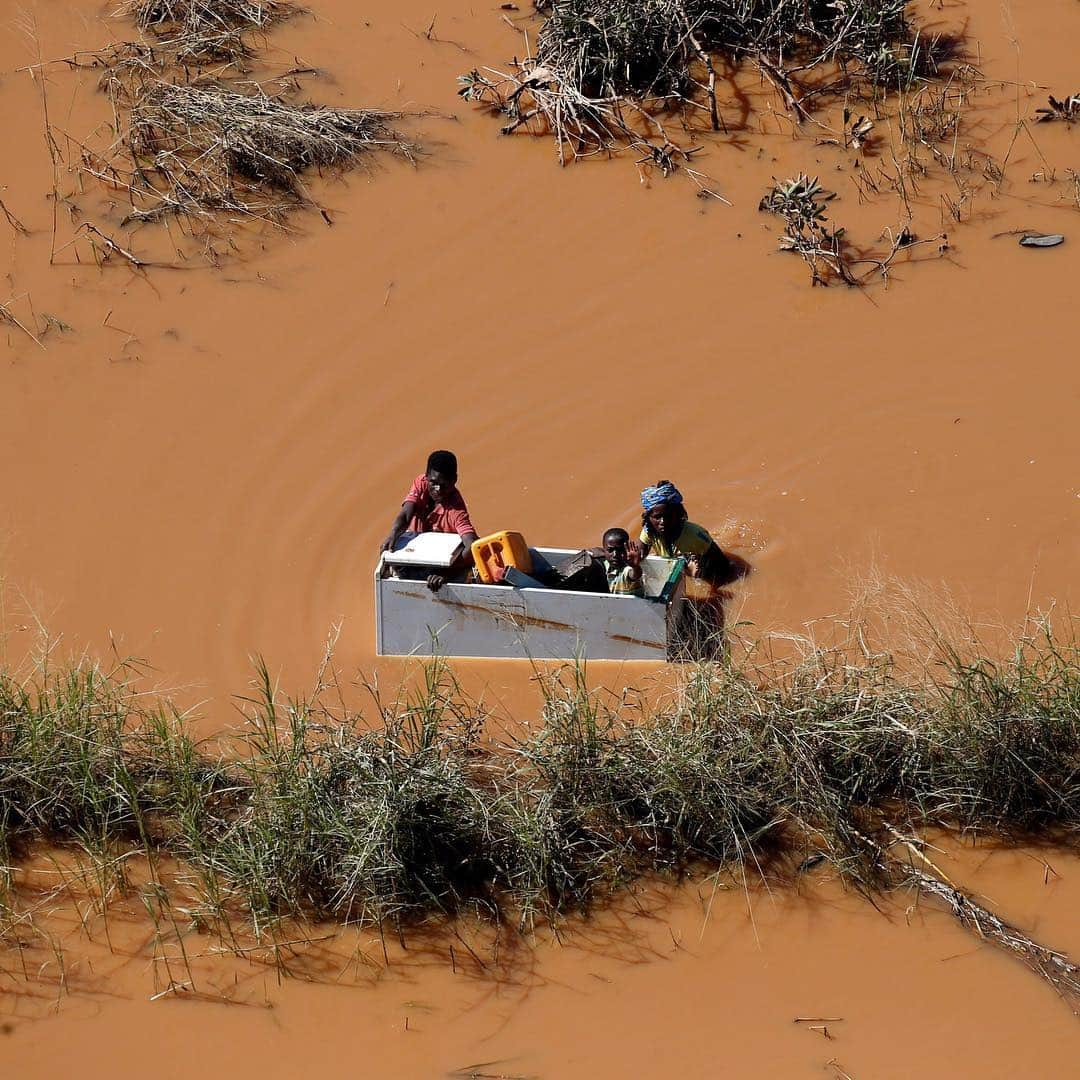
x: 1067, y: 110
x: 604, y: 72
x: 204, y: 150
x: 645, y: 77
x: 211, y: 148
x: 198, y: 148
x: 197, y: 16
x: 800, y: 201
x: 205, y: 30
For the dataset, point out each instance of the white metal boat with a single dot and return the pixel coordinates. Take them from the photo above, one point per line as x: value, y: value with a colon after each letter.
x: 503, y: 621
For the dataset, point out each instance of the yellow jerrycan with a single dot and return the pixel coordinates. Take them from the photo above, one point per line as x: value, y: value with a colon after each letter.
x: 493, y: 554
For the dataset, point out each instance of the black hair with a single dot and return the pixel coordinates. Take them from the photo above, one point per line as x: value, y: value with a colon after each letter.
x: 443, y: 461
x: 621, y: 535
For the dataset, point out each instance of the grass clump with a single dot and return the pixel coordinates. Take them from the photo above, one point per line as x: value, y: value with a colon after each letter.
x: 1001, y: 752
x: 634, y: 795
x: 205, y: 133
x: 198, y: 150
x: 205, y: 30
x: 66, y: 769
x: 82, y: 759
x: 605, y: 71
x: 318, y: 814
x: 360, y: 824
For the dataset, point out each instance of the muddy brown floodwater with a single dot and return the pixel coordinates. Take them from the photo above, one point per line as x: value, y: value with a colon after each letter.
x: 205, y: 467
x: 690, y: 982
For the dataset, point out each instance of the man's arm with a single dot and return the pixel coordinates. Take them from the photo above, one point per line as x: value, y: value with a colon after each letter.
x: 464, y: 528
x: 408, y: 508
x: 468, y: 539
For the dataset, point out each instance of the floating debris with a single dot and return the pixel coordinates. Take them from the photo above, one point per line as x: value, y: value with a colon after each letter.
x: 1041, y: 240
x: 1067, y: 110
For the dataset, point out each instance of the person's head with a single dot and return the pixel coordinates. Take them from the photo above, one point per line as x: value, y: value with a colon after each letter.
x: 615, y: 541
x: 441, y: 474
x: 663, y: 513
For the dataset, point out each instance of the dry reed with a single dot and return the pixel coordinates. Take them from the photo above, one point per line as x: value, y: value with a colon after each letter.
x: 213, y: 145
x: 199, y: 150
x: 193, y: 31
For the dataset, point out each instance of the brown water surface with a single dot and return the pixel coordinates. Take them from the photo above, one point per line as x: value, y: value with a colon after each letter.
x: 694, y: 982
x: 205, y: 467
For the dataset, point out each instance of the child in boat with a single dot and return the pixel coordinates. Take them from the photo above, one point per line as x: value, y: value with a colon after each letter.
x: 434, y: 504
x: 622, y: 563
x: 667, y: 531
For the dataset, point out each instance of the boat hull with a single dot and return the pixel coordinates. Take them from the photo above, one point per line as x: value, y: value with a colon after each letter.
x: 500, y: 622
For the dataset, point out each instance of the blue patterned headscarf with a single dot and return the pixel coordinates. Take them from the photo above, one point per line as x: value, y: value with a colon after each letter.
x: 664, y: 491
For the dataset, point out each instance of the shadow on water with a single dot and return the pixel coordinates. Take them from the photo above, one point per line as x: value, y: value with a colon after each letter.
x: 68, y: 956
x: 701, y: 623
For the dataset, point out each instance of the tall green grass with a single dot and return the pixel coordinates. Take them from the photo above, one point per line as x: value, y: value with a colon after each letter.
x: 318, y: 812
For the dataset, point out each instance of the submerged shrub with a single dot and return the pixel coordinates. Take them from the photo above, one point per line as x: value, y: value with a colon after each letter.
x: 200, y: 16
x: 322, y: 816
x: 648, y: 47
x: 604, y: 72
x: 200, y: 31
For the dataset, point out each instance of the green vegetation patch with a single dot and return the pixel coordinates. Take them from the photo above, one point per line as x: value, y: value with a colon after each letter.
x: 316, y: 815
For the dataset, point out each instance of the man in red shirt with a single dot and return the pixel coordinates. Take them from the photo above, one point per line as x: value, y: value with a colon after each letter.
x: 434, y: 504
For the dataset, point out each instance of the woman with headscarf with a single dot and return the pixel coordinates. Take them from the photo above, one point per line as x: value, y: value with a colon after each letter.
x: 667, y: 531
